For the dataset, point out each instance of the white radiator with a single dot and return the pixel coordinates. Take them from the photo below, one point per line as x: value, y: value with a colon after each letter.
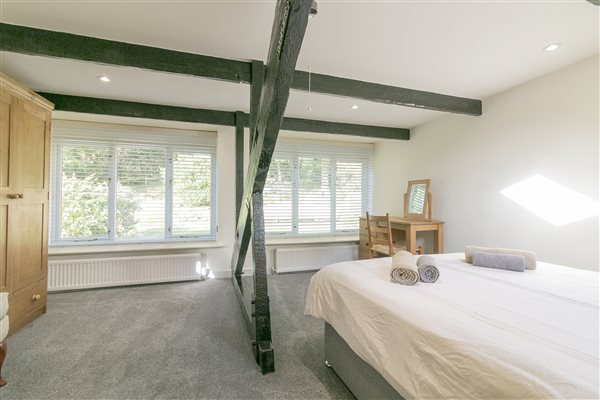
x: 294, y: 259
x: 121, y: 271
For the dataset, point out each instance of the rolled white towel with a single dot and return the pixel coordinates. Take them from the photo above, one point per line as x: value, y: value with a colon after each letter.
x: 404, y: 268
x: 428, y: 271
x: 529, y: 255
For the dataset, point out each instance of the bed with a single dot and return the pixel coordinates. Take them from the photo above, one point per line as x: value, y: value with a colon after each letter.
x: 476, y: 333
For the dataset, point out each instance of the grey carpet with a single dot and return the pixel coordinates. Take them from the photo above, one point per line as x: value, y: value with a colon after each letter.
x: 180, y: 341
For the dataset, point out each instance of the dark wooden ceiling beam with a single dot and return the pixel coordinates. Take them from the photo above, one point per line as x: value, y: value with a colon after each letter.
x: 121, y: 108
x: 375, y: 92
x: 379, y: 132
x: 40, y: 42
x: 92, y: 105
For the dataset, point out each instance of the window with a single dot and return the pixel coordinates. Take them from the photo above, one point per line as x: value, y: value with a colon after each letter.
x: 317, y: 188
x: 114, y: 184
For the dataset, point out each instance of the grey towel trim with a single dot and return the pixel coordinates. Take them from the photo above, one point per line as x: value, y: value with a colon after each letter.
x: 529, y: 255
x: 509, y: 262
x: 428, y: 271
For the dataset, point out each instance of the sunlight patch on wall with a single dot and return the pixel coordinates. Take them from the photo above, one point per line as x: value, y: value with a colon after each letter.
x: 550, y: 201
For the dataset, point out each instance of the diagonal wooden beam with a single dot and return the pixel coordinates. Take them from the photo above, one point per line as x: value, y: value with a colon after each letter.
x: 258, y: 77
x: 40, y: 42
x: 91, y: 105
x: 289, y: 26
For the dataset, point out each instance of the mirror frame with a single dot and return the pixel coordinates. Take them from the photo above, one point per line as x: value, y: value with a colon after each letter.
x: 426, y: 215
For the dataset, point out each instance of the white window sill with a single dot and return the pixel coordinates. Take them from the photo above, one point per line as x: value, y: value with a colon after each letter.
x: 271, y: 241
x: 116, y: 248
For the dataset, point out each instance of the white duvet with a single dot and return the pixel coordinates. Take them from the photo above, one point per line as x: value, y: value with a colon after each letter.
x: 476, y: 333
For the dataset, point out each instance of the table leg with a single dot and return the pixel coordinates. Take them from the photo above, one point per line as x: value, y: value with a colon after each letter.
x: 438, y: 240
x: 411, y: 240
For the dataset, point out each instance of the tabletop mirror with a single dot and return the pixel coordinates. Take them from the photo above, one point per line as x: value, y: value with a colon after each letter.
x: 417, y: 200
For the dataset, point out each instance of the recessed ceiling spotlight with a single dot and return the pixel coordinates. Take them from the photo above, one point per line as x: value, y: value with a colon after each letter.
x: 104, y: 78
x: 552, y: 47
x: 354, y: 107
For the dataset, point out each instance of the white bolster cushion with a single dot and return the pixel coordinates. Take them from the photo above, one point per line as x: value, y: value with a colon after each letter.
x: 3, y: 304
x: 530, y: 258
x: 3, y: 328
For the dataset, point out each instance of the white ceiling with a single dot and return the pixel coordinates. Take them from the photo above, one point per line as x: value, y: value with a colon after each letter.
x: 463, y: 48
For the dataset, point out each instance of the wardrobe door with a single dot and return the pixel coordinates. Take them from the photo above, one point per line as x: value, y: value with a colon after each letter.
x: 27, y: 215
x: 6, y: 107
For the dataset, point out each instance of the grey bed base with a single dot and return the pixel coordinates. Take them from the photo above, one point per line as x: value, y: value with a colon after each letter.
x: 362, y: 379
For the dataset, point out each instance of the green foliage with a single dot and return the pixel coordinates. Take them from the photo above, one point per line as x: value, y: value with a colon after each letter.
x: 140, y: 166
x: 79, y: 160
x: 141, y: 177
x: 85, y: 208
x: 192, y: 179
x: 127, y: 206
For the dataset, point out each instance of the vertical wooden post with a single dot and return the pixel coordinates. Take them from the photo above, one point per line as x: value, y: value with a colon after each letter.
x: 262, y: 316
x: 289, y: 26
x: 239, y: 161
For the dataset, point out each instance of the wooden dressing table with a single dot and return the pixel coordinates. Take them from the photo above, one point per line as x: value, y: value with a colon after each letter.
x: 405, y: 230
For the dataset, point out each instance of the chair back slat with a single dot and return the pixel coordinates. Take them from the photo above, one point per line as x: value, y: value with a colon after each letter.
x: 379, y: 232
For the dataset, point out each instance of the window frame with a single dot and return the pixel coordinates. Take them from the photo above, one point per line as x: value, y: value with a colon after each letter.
x: 293, y: 150
x: 112, y: 135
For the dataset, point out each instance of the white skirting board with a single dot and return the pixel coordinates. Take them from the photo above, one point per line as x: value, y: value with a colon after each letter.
x: 294, y: 259
x: 122, y: 271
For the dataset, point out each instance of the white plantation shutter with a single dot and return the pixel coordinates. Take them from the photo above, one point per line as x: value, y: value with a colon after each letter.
x: 83, y: 170
x: 317, y: 188
x: 130, y: 184
x: 140, y: 176
x: 350, y: 178
x: 192, y: 185
x: 277, y: 195
x: 314, y: 194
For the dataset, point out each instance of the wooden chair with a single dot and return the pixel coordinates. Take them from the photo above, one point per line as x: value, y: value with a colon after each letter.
x: 379, y: 232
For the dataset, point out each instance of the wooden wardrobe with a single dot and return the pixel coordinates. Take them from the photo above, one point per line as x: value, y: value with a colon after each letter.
x: 24, y: 182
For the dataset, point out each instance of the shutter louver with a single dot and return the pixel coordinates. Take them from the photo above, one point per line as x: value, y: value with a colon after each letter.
x: 192, y: 193
x: 277, y: 196
x: 317, y: 188
x: 348, y: 194
x: 140, y: 191
x: 85, y: 178
x: 314, y: 195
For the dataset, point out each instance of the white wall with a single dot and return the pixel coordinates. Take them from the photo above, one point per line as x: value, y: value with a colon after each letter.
x: 549, y: 126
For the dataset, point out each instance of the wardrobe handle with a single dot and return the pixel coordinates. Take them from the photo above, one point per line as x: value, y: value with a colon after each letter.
x: 36, y: 297
x: 15, y: 195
